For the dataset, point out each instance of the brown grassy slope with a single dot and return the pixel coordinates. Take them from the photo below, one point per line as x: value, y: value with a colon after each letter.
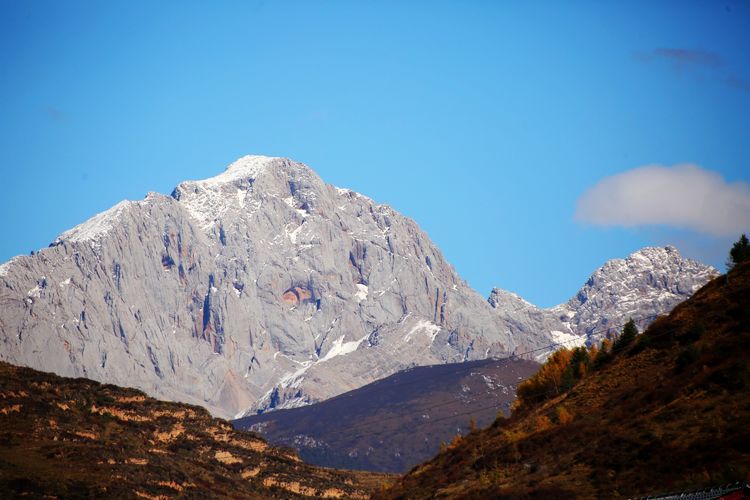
x: 77, y: 438
x: 671, y: 412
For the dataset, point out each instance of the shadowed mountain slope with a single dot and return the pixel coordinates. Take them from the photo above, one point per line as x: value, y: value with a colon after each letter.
x: 62, y: 437
x: 397, y: 422
x: 670, y: 412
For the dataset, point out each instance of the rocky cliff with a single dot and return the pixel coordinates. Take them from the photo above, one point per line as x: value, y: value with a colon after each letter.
x: 646, y: 284
x: 260, y: 288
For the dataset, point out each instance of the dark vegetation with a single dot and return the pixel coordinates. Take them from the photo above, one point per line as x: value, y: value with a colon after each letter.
x: 395, y: 423
x: 666, y: 410
x: 72, y: 438
x: 740, y: 252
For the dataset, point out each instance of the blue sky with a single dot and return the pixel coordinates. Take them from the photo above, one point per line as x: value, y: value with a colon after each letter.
x: 486, y: 122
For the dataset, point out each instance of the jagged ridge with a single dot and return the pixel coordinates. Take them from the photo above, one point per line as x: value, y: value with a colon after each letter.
x: 260, y: 288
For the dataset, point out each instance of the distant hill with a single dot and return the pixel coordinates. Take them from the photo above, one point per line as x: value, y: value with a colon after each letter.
x: 75, y: 438
x: 669, y: 412
x: 397, y: 422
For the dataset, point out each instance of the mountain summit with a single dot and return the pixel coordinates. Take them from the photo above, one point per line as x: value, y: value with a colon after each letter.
x: 261, y: 288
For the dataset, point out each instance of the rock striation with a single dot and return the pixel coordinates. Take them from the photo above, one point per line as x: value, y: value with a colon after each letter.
x: 264, y: 288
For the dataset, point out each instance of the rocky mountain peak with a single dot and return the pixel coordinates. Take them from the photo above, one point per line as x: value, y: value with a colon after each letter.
x: 250, y: 165
x: 241, y: 189
x: 643, y: 285
x: 646, y: 257
x: 663, y: 266
x: 262, y: 288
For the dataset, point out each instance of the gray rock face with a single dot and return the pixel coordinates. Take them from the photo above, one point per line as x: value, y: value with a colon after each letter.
x: 648, y: 283
x: 642, y: 286
x: 261, y: 288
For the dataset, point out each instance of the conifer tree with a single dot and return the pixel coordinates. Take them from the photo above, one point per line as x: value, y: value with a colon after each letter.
x: 578, y: 366
x: 604, y: 354
x: 627, y: 336
x: 740, y: 251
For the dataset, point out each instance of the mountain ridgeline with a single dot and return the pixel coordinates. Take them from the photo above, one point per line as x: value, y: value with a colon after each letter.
x: 265, y: 288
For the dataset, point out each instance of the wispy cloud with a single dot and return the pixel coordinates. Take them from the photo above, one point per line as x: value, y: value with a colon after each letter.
x: 684, y: 196
x: 682, y: 58
x: 738, y: 83
x: 689, y: 57
x: 694, y: 60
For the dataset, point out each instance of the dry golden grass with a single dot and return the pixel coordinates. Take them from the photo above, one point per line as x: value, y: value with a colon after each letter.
x: 63, y: 437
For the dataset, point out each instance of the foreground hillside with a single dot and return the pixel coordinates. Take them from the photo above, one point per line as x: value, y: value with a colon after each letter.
x: 65, y: 437
x: 668, y: 412
x: 393, y: 424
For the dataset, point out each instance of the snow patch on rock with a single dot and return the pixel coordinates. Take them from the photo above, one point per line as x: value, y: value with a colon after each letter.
x: 5, y: 267
x: 97, y: 226
x: 423, y: 326
x: 206, y: 200
x: 341, y: 348
x: 247, y: 167
x: 567, y: 339
x: 361, y: 293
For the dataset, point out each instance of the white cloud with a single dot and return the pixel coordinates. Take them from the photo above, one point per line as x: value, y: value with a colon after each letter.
x: 685, y: 196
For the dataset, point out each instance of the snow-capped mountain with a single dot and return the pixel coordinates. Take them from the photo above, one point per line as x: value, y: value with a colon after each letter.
x: 262, y: 287
x: 647, y: 283
x: 642, y: 286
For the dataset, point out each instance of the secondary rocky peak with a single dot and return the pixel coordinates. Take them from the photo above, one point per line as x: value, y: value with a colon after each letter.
x: 645, y: 284
x: 645, y: 257
x: 660, y: 266
x: 507, y: 301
